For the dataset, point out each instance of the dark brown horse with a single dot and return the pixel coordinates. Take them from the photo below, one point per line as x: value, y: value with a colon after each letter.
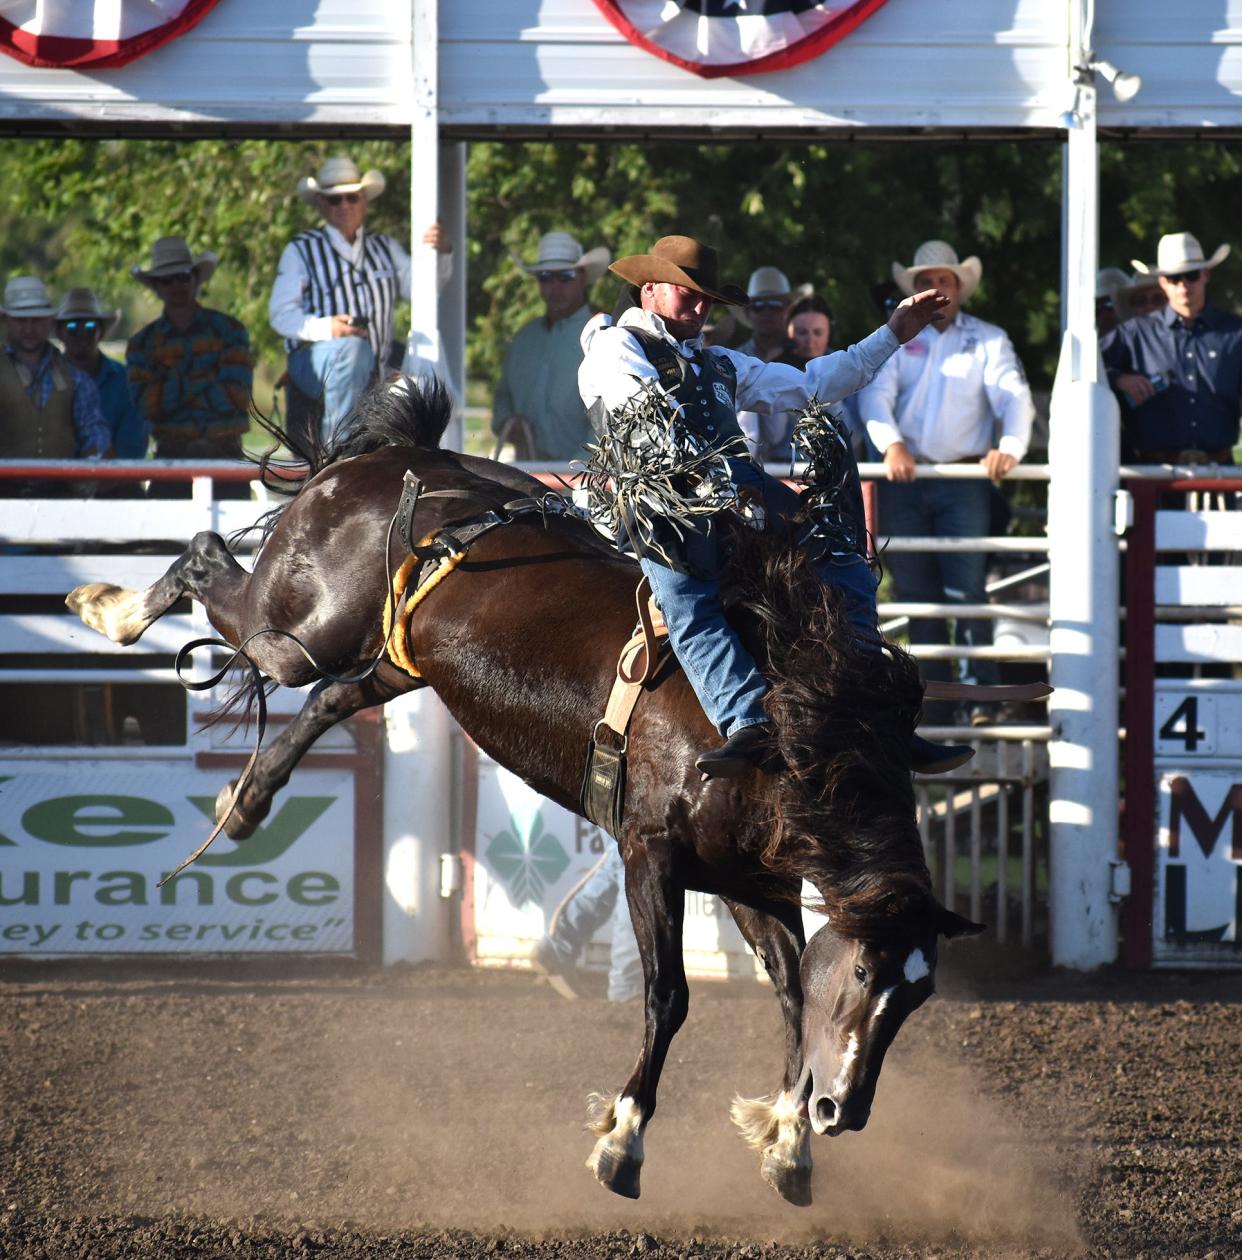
x: 520, y: 641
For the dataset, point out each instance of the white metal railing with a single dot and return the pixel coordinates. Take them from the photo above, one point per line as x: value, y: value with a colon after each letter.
x: 981, y: 827
x: 50, y: 545
x: 984, y: 828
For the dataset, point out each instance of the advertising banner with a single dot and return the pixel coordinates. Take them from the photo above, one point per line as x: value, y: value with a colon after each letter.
x: 84, y: 844
x: 1199, y: 868
x: 529, y: 854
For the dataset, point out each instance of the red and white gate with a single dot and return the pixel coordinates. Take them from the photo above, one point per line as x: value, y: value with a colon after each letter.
x: 1183, y: 761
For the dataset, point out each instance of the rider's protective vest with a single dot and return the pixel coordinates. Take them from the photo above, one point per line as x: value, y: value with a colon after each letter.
x: 708, y: 398
x: 709, y: 411
x: 30, y: 432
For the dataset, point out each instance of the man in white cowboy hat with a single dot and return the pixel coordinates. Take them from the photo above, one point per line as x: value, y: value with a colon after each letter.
x: 49, y: 409
x: 939, y: 401
x: 190, y: 371
x: 81, y: 324
x: 337, y: 286
x: 1109, y: 282
x: 537, y: 401
x: 1178, y: 371
x: 657, y: 342
x: 1139, y: 295
x: 768, y: 296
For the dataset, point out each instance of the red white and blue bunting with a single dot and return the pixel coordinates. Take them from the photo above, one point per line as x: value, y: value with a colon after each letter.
x: 714, y: 38
x: 93, y: 34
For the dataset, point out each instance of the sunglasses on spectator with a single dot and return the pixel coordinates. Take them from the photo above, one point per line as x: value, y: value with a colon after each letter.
x: 335, y: 199
x: 180, y: 277
x: 768, y: 304
x: 1189, y: 277
x: 81, y: 325
x: 557, y: 277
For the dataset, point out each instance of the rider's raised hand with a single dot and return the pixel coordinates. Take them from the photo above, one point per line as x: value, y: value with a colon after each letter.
x: 915, y: 313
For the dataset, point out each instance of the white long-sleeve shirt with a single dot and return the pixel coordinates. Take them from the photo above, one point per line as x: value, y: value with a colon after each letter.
x: 288, y: 310
x: 615, y: 368
x: 943, y: 393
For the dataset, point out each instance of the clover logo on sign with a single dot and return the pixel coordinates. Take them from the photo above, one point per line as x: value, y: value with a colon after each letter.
x: 527, y: 864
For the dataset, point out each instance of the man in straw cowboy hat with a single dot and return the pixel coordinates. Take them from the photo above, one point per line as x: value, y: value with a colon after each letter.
x: 538, y: 389
x: 190, y: 371
x: 337, y: 286
x: 938, y: 402
x: 81, y: 324
x: 1178, y: 371
x: 657, y: 343
x: 49, y: 409
x: 768, y: 296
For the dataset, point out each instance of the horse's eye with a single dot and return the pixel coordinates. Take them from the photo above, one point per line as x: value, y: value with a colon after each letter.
x: 860, y: 974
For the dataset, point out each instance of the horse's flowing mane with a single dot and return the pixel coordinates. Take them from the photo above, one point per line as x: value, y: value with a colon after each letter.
x: 408, y: 412
x: 844, y: 809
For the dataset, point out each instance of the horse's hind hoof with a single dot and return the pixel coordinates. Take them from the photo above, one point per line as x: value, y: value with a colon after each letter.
x: 616, y: 1171
x: 238, y: 827
x: 791, y: 1181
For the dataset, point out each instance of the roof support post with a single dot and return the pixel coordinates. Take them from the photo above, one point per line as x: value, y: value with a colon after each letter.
x: 1083, y: 454
x: 425, y: 351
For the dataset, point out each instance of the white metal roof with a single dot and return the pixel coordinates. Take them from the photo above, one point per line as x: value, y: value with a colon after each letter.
x: 270, y: 62
x: 540, y: 65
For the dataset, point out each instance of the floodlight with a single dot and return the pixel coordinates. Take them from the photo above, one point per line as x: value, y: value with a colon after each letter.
x: 1071, y: 119
x: 1125, y: 86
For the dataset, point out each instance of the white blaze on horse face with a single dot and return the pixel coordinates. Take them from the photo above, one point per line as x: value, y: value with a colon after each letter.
x: 847, y: 1062
x: 916, y: 967
x: 880, y: 1003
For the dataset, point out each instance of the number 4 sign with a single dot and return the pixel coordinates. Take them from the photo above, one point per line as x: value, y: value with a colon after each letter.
x: 1185, y: 724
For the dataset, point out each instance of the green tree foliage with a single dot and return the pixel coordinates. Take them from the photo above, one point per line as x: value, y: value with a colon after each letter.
x: 833, y: 212
x: 837, y: 214
x: 85, y: 211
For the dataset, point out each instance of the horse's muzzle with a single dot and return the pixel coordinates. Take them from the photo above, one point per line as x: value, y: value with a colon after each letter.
x: 830, y: 1116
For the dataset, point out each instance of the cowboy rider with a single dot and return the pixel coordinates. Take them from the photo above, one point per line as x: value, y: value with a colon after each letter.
x: 673, y: 288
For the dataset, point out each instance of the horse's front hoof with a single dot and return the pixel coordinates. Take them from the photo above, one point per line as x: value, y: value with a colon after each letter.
x: 116, y: 613
x: 615, y: 1170
x: 791, y: 1181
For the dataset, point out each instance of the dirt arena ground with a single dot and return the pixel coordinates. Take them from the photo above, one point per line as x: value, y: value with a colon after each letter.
x: 311, y: 1110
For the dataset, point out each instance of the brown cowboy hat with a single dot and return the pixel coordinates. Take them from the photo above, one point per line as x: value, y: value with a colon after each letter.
x: 680, y: 260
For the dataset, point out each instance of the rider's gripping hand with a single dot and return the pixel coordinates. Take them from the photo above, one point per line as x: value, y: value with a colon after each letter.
x: 915, y: 313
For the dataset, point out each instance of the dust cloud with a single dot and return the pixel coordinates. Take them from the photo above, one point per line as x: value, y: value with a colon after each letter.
x: 394, y: 1103
x: 399, y: 1110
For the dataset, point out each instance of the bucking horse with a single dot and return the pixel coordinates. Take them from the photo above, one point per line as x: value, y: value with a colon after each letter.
x: 518, y: 632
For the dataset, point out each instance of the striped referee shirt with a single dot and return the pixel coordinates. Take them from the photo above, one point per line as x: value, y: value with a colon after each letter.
x: 321, y: 274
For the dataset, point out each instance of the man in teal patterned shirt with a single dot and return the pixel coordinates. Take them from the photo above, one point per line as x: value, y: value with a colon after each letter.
x: 190, y: 371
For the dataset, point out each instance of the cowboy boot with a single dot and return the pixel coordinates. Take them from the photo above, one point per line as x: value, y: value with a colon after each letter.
x: 751, y: 748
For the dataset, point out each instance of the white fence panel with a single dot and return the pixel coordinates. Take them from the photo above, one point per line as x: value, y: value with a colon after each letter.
x: 1198, y: 531
x: 1188, y: 644
x: 1199, y: 585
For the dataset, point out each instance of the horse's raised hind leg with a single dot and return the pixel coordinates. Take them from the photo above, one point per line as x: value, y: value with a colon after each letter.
x: 657, y: 908
x: 206, y: 570
x: 778, y: 1127
x: 328, y: 704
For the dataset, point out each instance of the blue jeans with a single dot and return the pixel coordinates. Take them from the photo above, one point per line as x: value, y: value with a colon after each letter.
x: 722, y: 672
x: 941, y: 509
x: 585, y: 911
x: 337, y: 371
